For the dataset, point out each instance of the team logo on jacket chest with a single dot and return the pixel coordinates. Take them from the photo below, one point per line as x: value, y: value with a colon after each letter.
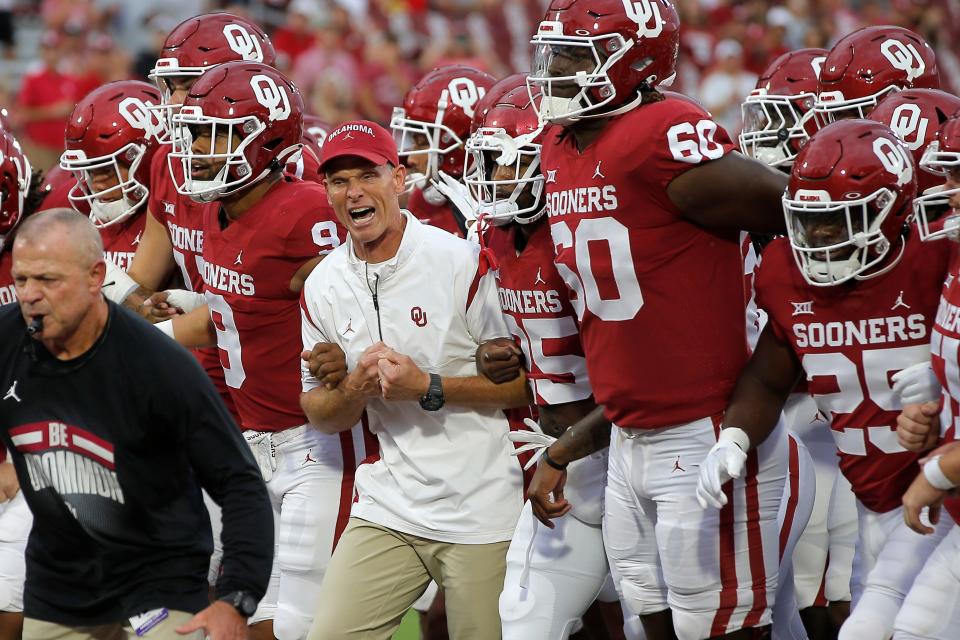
x: 67, y: 459
x: 419, y: 316
x: 858, y: 332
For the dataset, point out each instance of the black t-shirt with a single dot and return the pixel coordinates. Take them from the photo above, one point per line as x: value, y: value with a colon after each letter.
x: 111, y: 450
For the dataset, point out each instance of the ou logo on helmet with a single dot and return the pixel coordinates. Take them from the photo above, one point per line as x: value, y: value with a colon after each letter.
x: 272, y: 96
x: 242, y: 43
x: 817, y: 64
x: 907, y: 121
x: 894, y: 159
x: 904, y: 57
x: 465, y: 93
x: 135, y: 112
x: 646, y: 13
x: 319, y: 133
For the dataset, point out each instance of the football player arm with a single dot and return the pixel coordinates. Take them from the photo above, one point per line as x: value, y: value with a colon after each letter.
x: 588, y: 434
x: 402, y: 379
x: 731, y: 193
x: 332, y: 410
x: 763, y: 387
x: 192, y: 330
x: 152, y: 263
x: 300, y: 277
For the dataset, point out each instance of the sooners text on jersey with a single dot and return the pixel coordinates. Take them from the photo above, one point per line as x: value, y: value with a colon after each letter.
x: 851, y: 339
x: 660, y: 300
x: 534, y: 301
x: 121, y: 239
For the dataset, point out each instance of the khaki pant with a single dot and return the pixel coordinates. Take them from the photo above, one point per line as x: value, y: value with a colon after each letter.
x: 40, y: 630
x: 376, y: 574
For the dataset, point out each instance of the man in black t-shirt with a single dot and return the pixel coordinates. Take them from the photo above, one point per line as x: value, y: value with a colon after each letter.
x: 114, y: 429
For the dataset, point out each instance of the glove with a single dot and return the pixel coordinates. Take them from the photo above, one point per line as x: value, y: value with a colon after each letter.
x: 459, y: 196
x: 724, y: 461
x: 534, y: 440
x: 916, y: 384
x: 184, y: 300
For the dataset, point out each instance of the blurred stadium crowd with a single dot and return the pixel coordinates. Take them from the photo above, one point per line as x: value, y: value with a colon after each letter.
x: 356, y: 58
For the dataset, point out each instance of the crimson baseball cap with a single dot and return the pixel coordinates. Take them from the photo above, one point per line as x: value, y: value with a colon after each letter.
x: 362, y: 138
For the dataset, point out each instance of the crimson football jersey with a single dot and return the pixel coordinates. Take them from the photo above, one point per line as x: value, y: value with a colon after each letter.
x: 660, y: 300
x: 534, y: 301
x: 8, y: 294
x: 945, y: 356
x: 850, y: 339
x: 181, y: 217
x: 247, y: 268
x: 120, y: 240
x: 441, y: 216
x: 184, y: 219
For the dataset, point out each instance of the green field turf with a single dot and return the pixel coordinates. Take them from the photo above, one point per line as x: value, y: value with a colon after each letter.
x: 410, y: 629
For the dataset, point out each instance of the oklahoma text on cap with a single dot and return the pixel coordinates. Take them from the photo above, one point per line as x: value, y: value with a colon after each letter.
x: 362, y: 138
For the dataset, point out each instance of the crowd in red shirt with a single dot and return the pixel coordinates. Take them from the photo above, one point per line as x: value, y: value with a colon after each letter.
x: 357, y: 59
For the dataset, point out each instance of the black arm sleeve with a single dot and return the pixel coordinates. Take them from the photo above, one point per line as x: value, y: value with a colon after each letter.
x: 225, y: 467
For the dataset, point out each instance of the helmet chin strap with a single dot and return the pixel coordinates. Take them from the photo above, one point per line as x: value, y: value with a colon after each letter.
x: 107, y: 212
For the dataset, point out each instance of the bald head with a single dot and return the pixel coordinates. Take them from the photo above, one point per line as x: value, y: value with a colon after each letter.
x: 69, y: 233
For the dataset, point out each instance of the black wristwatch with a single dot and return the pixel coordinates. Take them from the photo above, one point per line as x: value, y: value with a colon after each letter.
x: 433, y: 399
x: 242, y: 601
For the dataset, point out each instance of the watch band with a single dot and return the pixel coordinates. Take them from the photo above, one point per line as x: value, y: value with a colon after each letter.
x: 553, y: 463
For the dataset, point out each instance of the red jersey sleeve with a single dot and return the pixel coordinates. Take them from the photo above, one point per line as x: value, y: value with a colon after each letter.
x: 769, y: 270
x: 684, y: 137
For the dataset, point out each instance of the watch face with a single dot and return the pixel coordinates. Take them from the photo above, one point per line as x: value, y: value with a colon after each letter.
x: 248, y: 605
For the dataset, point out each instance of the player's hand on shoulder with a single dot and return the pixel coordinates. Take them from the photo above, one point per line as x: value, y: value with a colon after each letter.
x: 327, y: 363
x: 918, y: 426
x: 500, y: 360
x: 220, y: 621
x: 724, y: 461
x: 9, y: 485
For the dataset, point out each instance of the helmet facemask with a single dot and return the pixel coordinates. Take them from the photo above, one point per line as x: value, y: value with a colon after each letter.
x: 417, y: 138
x: 504, y: 200
x: 165, y: 69
x: 856, y: 244
x: 935, y: 217
x: 115, y: 203
x: 774, y: 127
x: 587, y: 60
x: 831, y: 106
x: 228, y: 142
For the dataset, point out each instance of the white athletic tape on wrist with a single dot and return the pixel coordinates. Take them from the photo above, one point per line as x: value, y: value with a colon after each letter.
x: 935, y: 475
x: 186, y: 301
x: 117, y: 285
x: 737, y: 436
x: 166, y: 327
